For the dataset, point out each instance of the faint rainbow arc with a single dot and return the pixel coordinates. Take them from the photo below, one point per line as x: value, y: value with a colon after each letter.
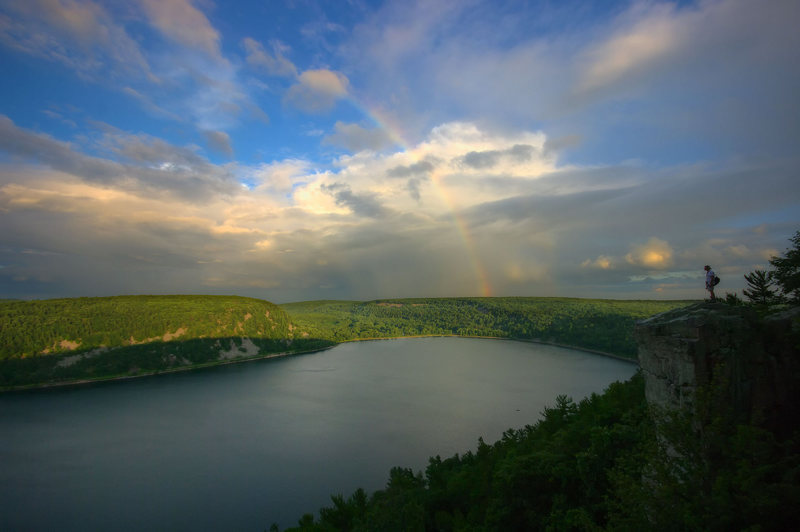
x: 466, y: 236
x: 396, y: 135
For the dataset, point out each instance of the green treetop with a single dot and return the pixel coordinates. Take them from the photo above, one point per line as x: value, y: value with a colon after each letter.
x: 760, y: 288
x: 787, y: 270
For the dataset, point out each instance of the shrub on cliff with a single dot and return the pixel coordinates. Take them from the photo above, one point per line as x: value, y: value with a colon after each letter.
x: 787, y: 270
x: 780, y: 284
x: 760, y: 288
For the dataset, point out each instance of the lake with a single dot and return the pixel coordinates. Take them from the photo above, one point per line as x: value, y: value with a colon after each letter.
x: 239, y: 447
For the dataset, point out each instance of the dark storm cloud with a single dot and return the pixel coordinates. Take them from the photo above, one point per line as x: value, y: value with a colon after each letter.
x: 355, y: 138
x: 482, y: 160
x: 412, y: 170
x: 659, y: 200
x: 370, y: 260
x: 413, y: 188
x: 416, y: 172
x: 220, y: 142
x: 546, y: 210
x: 361, y: 204
x: 78, y: 252
x: 521, y: 152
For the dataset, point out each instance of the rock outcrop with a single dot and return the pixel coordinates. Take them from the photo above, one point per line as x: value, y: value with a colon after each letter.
x: 729, y: 355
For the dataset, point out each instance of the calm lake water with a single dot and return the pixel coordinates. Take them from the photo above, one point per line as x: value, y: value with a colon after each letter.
x: 240, y: 447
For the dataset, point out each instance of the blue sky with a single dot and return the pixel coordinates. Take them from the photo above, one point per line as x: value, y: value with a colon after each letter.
x: 357, y: 150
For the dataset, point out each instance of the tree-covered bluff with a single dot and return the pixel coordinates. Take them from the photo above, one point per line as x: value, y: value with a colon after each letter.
x: 65, y: 340
x: 59, y: 325
x: 598, y: 324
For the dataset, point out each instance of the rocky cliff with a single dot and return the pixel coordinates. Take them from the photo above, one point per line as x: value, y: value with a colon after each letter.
x: 735, y: 357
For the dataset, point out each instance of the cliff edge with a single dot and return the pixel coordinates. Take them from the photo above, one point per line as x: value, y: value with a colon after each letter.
x: 737, y: 357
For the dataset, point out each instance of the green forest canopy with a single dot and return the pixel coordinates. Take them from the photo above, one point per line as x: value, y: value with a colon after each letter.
x: 68, y: 340
x: 599, y: 324
x: 581, y: 467
x: 65, y: 340
x: 39, y: 327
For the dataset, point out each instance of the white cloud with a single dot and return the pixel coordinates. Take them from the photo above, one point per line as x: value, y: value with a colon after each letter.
x: 655, y: 254
x: 148, y: 105
x: 652, y: 35
x: 180, y: 21
x: 662, y: 276
x: 602, y: 262
x: 81, y: 35
x: 208, y: 92
x: 398, y: 31
x: 317, y: 90
x: 280, y: 176
x: 355, y: 137
x: 220, y: 142
x: 431, y: 177
x: 150, y: 164
x: 275, y: 64
x: 472, y: 149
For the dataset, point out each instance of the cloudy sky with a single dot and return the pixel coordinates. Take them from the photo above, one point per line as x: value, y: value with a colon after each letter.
x: 300, y: 149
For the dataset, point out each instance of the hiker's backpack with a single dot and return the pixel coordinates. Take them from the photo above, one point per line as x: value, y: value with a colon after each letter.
x: 716, y: 281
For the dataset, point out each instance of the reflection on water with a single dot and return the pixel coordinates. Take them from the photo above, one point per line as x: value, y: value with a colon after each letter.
x: 239, y: 447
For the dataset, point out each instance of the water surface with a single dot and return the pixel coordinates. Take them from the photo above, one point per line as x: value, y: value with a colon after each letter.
x: 240, y: 447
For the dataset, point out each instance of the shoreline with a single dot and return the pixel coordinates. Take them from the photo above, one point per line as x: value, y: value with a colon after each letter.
x: 83, y: 382
x: 526, y: 340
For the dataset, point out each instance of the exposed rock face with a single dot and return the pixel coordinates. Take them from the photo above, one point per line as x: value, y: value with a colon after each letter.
x: 740, y: 359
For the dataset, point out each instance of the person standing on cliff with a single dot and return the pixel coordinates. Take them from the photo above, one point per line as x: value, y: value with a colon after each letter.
x: 710, y: 281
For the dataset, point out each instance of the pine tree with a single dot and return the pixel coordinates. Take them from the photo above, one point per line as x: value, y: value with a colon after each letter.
x: 760, y: 288
x: 787, y: 270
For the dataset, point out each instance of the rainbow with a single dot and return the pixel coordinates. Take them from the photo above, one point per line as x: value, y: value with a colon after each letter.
x: 384, y: 121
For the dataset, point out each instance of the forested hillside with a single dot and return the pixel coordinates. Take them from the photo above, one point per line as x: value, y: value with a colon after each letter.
x: 603, y: 325
x: 91, y: 338
x: 63, y: 340
x: 59, y: 325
